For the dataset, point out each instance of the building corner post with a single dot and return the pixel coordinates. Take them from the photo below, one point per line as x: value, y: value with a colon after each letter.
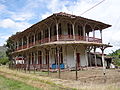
x: 73, y: 28
x: 57, y: 31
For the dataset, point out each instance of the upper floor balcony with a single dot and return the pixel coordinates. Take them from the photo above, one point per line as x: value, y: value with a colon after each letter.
x: 59, y: 38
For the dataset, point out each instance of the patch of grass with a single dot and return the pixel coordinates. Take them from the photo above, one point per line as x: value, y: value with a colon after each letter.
x: 9, y: 84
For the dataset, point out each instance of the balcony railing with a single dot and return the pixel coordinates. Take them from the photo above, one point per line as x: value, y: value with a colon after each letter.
x: 63, y: 38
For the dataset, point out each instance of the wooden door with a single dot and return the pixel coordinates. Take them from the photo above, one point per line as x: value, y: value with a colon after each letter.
x: 78, y: 59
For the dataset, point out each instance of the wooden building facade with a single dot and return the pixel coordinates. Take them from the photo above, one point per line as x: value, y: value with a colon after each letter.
x: 60, y: 41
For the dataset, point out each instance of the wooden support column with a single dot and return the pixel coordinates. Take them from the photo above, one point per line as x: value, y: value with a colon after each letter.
x: 84, y: 32
x: 88, y: 36
x: 37, y: 57
x: 57, y: 31
x: 73, y: 31
x: 95, y: 56
x: 42, y: 52
x: 103, y: 60
x: 49, y: 33
x: 27, y: 62
x: 22, y: 43
x: 101, y: 35
x: 93, y: 35
x: 34, y: 39
x: 17, y: 45
x: 48, y: 57
x: 27, y: 41
x: 86, y: 56
x: 58, y: 58
x: 34, y: 62
x: 76, y: 64
x: 89, y: 48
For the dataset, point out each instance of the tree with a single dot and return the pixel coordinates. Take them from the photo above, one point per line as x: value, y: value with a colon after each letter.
x: 116, y: 57
x: 10, y: 48
x: 4, y: 60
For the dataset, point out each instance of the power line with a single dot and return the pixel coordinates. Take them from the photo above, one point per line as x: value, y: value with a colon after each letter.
x: 92, y: 7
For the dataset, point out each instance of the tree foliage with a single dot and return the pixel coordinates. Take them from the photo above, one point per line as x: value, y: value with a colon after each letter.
x: 4, y: 60
x: 10, y: 48
x: 116, y: 57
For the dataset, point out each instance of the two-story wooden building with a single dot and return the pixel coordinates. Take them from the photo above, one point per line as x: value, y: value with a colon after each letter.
x: 61, y: 40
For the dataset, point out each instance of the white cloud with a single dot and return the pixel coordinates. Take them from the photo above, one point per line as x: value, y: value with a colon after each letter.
x: 22, y: 16
x: 16, y: 26
x: 2, y: 7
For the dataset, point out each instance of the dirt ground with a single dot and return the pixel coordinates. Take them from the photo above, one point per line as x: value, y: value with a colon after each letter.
x: 88, y: 79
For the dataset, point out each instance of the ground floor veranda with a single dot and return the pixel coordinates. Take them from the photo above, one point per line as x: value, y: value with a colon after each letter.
x: 58, y: 56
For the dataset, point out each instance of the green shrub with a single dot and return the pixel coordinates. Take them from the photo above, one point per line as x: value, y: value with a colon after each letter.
x: 4, y: 60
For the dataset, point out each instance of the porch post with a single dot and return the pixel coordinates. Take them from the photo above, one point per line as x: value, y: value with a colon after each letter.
x: 34, y: 39
x: 34, y: 62
x: 37, y: 58
x: 88, y: 36
x: 48, y: 57
x: 59, y: 60
x: 103, y: 61
x: 49, y: 33
x: 58, y: 57
x: 29, y: 61
x: 22, y: 43
x: 57, y: 31
x: 73, y: 31
x: 27, y: 41
x: 76, y: 64
x: 42, y: 55
x: 86, y: 58
x: 17, y: 45
x: 84, y: 33
x: 89, y: 57
x: 93, y: 35
x: 101, y: 35
x: 95, y: 56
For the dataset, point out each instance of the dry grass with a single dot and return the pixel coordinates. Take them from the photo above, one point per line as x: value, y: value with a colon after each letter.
x: 89, y: 79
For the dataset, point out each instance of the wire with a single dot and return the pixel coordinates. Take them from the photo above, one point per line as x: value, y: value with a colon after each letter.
x: 92, y: 7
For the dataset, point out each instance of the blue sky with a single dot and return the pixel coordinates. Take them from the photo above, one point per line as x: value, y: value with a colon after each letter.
x: 17, y: 15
